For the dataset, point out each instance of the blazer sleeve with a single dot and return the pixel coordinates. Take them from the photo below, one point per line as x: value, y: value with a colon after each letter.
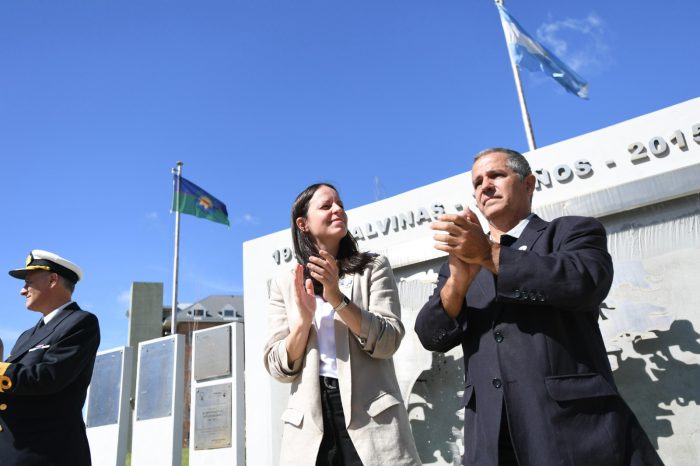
x: 275, y: 352
x: 435, y: 329
x: 382, y: 330
x: 576, y: 275
x: 61, y: 363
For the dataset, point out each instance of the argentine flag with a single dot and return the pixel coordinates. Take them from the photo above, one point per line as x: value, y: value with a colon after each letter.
x: 526, y: 52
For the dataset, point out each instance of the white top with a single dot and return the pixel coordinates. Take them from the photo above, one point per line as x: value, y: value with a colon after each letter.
x: 518, y: 229
x: 51, y: 315
x: 323, y: 321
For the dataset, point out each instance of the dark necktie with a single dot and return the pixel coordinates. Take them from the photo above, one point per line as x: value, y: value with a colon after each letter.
x: 38, y: 325
x: 507, y: 240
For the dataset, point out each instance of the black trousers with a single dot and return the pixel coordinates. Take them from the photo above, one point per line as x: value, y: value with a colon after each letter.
x: 336, y: 447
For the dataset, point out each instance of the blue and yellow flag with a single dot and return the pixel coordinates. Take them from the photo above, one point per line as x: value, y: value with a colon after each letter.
x: 193, y: 200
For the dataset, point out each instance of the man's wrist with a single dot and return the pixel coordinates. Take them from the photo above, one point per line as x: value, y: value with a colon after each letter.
x: 493, y: 257
x: 452, y: 297
x: 455, y: 288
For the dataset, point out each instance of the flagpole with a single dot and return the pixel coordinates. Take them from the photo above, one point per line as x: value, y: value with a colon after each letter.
x: 173, y: 312
x: 521, y: 96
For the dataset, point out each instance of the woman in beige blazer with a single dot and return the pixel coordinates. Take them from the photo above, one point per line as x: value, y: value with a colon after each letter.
x: 334, y: 326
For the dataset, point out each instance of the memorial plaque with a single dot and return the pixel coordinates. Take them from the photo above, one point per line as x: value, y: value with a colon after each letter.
x: 213, y: 353
x: 212, y: 417
x: 105, y: 388
x: 155, y: 390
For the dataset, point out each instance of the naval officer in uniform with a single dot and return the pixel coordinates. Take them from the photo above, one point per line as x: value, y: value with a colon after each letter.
x: 44, y: 380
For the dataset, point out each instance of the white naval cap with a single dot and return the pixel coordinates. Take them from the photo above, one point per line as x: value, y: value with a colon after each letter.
x: 39, y: 259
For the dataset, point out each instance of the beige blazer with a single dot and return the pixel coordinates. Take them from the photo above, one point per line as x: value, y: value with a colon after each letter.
x: 375, y: 414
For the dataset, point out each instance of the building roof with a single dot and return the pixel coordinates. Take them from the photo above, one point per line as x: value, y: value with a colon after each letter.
x: 214, y: 308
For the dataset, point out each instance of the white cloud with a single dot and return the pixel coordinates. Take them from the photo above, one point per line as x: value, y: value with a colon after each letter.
x: 580, y: 43
x: 152, y: 216
x: 124, y: 298
x: 247, y: 218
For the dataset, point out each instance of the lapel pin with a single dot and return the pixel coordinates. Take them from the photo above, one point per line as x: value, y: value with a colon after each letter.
x: 38, y: 347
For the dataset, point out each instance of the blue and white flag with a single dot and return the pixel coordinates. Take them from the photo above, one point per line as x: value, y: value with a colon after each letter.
x: 526, y: 52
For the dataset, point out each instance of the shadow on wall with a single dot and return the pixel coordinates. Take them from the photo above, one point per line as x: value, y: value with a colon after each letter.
x: 655, y: 371
x: 654, y: 375
x: 436, y: 412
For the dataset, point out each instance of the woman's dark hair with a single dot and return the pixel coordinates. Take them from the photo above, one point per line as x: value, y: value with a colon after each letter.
x: 350, y: 259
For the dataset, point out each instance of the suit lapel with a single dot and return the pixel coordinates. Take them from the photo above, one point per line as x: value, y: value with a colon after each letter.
x: 524, y: 242
x: 20, y: 345
x: 26, y: 342
x: 530, y: 234
x: 313, y: 368
x: 487, y: 281
x: 342, y: 350
x: 309, y: 384
x: 34, y: 338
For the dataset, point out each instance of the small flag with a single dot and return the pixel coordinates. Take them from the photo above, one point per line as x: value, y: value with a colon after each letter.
x: 526, y: 52
x: 193, y: 200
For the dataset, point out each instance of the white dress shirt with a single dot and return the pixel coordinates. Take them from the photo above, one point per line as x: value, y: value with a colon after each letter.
x: 52, y: 315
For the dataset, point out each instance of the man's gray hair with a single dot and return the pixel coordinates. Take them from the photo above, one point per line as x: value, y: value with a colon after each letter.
x: 67, y: 284
x: 514, y: 159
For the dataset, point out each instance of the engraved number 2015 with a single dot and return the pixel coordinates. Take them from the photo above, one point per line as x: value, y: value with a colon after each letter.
x: 658, y: 146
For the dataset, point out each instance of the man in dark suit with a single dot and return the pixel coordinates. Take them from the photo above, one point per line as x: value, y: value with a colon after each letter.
x: 523, y: 303
x: 44, y: 380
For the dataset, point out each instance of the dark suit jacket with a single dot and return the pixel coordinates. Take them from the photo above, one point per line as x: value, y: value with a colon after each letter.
x: 531, y: 343
x: 48, y: 372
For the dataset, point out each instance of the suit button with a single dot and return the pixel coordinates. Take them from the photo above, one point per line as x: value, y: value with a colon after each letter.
x: 439, y: 335
x: 497, y: 383
x: 532, y: 296
x: 3, y: 407
x: 1, y: 429
x: 516, y: 293
x: 498, y: 336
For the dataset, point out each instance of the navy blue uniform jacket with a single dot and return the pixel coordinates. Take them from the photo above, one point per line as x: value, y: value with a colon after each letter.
x: 531, y: 343
x: 43, y: 385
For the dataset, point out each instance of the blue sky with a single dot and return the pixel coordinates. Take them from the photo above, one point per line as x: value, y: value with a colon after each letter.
x: 99, y: 99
